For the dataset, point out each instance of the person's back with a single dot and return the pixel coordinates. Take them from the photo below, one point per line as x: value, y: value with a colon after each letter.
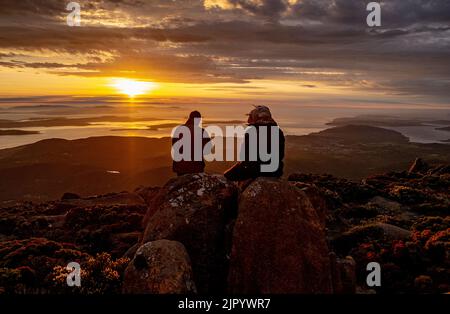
x: 260, y: 132
x: 191, y: 165
x: 260, y: 123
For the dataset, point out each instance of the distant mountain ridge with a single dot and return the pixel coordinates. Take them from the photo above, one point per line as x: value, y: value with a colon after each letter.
x: 97, y: 165
x: 355, y: 133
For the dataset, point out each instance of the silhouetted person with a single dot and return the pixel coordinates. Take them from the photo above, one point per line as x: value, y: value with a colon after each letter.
x: 191, y: 165
x: 250, y: 169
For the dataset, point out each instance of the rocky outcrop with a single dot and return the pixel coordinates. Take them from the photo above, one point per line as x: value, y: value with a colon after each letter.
x: 339, y: 190
x: 418, y: 166
x: 385, y: 205
x: 278, y: 239
x: 159, y: 267
x: 279, y: 243
x: 107, y: 223
x: 280, y: 234
x: 194, y: 210
x: 365, y: 233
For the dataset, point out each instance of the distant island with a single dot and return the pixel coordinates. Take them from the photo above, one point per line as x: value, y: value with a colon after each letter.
x: 375, y: 120
x: 157, y: 127
x: 447, y: 128
x: 386, y: 121
x: 63, y: 121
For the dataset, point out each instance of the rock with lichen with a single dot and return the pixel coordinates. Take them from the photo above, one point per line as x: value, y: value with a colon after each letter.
x: 279, y: 242
x: 194, y: 209
x: 159, y: 267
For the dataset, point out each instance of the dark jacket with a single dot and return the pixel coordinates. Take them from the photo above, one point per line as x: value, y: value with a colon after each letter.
x: 248, y: 169
x: 190, y: 166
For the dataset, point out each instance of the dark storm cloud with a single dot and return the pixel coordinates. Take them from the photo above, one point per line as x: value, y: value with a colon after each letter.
x: 36, y: 7
x: 269, y: 8
x: 394, y: 12
x: 37, y: 65
x: 426, y: 85
x: 91, y: 38
x: 62, y: 99
x: 57, y: 7
x: 241, y: 40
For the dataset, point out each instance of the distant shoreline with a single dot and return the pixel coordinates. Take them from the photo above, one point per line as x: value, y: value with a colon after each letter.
x: 144, y: 134
x: 418, y: 130
x: 25, y: 137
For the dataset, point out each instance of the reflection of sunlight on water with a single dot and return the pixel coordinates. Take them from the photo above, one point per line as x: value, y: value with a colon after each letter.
x: 71, y: 133
x: 294, y: 120
x: 121, y: 125
x: 138, y: 125
x: 422, y: 134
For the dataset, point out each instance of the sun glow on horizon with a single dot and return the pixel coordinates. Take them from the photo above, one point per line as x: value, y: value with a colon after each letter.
x: 131, y: 87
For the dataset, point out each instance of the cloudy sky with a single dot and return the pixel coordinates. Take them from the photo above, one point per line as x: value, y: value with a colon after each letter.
x: 317, y: 52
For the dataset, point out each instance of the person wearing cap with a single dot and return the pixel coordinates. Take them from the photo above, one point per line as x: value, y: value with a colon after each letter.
x: 248, y: 169
x: 183, y: 167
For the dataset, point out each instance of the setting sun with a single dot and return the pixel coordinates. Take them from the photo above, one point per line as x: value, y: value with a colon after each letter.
x: 132, y: 88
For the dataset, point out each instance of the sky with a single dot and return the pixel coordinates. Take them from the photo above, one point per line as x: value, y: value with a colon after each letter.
x: 313, y: 52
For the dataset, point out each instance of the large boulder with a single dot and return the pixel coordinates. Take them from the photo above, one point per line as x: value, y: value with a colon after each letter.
x: 195, y: 210
x: 159, y: 267
x: 279, y: 242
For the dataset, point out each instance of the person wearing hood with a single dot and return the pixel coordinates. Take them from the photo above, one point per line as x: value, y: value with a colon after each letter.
x: 260, y: 117
x: 183, y: 167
